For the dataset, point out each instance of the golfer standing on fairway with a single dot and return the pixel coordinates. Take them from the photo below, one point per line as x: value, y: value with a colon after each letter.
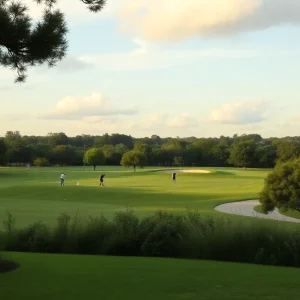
x: 102, y: 179
x: 62, y: 179
x: 174, y: 177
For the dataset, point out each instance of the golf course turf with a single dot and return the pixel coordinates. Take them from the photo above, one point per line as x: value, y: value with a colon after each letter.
x: 72, y: 277
x: 34, y: 194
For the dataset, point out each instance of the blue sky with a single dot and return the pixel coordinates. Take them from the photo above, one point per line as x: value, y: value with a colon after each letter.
x: 203, y: 69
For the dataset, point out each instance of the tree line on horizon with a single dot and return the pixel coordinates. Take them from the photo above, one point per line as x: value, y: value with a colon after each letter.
x: 248, y: 151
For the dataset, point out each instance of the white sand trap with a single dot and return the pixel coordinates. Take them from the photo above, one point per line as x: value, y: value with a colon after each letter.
x: 186, y: 171
x: 246, y: 208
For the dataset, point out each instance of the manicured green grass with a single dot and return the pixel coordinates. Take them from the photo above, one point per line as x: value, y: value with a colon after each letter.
x: 35, y: 194
x: 72, y: 277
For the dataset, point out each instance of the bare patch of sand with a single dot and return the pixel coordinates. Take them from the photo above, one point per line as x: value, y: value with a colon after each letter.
x: 246, y: 208
x: 186, y: 171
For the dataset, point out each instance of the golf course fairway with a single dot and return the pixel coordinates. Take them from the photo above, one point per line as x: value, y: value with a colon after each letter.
x: 36, y: 195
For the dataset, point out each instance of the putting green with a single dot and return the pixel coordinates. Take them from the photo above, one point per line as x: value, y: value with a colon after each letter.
x: 72, y: 277
x: 35, y: 194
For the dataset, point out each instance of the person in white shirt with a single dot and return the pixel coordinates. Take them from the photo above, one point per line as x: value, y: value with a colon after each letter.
x: 62, y: 179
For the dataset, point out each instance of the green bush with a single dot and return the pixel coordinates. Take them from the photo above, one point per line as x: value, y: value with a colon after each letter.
x: 282, y: 188
x: 41, y: 162
x: 162, y: 234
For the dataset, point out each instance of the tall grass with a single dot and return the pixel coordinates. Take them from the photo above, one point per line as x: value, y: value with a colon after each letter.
x: 162, y: 234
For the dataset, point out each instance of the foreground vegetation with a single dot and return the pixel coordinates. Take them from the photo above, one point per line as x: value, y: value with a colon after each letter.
x: 162, y: 234
x: 74, y: 277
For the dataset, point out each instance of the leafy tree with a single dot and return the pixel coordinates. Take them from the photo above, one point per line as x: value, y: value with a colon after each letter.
x: 94, y: 157
x: 192, y: 155
x: 111, y: 155
x: 63, y: 155
x: 205, y: 147
x: 42, y: 150
x: 100, y: 141
x: 172, y: 148
x: 220, y: 154
x: 2, y: 151
x: 242, y: 154
x: 160, y: 157
x: 266, y: 156
x: 282, y: 187
x: 121, y: 149
x: 24, y: 43
x: 56, y: 139
x: 41, y: 162
x: 144, y: 148
x: 17, y: 151
x: 288, y: 150
x: 134, y: 159
x: 117, y: 138
x: 178, y: 161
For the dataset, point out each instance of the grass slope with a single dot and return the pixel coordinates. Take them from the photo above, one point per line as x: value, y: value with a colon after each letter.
x: 67, y: 277
x: 35, y: 194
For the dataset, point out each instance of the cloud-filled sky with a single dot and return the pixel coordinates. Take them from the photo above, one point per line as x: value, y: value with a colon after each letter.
x: 166, y: 67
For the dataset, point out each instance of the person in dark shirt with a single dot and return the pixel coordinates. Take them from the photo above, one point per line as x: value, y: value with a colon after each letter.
x: 174, y: 177
x: 102, y: 179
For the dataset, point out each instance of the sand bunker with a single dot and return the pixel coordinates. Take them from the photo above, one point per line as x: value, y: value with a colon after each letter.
x: 186, y: 171
x: 246, y: 208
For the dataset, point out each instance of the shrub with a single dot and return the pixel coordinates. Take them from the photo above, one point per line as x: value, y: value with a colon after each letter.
x: 162, y: 234
x: 282, y: 187
x: 41, y: 162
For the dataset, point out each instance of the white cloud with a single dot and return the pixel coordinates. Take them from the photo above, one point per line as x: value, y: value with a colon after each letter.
x: 175, y: 20
x: 240, y: 113
x: 71, y: 64
x: 147, y: 56
x: 183, y: 121
x: 165, y: 125
x: 92, y: 107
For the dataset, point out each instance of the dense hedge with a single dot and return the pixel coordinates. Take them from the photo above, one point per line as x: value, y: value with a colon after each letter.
x: 163, y: 234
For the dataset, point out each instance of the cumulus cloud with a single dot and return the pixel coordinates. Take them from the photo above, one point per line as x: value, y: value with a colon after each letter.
x: 72, y: 64
x: 174, y: 20
x: 240, y: 113
x: 88, y: 108
x: 182, y: 121
x: 147, y: 56
x: 165, y: 125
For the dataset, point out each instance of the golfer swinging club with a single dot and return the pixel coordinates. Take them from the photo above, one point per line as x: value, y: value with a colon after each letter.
x: 62, y: 179
x: 102, y: 179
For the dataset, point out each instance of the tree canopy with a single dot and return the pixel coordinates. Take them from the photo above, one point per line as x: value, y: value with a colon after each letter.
x: 243, y: 153
x: 94, y: 157
x: 134, y: 159
x: 282, y: 187
x: 161, y: 151
x: 25, y: 43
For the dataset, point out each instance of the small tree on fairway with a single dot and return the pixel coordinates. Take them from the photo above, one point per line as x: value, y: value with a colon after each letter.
x: 94, y: 157
x: 282, y: 188
x: 134, y: 159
